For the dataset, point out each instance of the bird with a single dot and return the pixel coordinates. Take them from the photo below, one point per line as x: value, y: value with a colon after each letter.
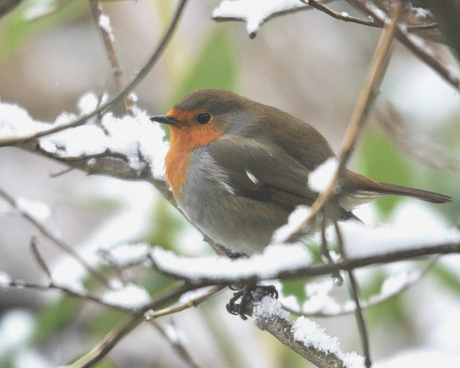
x: 238, y: 168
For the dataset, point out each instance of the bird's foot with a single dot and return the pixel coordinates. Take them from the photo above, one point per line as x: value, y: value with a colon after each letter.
x: 247, y: 296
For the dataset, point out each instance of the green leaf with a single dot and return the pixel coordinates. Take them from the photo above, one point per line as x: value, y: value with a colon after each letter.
x: 382, y: 161
x: 215, y: 66
x: 295, y: 288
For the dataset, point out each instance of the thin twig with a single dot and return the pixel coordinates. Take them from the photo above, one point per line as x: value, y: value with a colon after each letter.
x: 60, y: 243
x: 325, y: 251
x: 38, y: 257
x: 117, y: 71
x: 188, y: 304
x: 373, y: 301
x: 413, y: 43
x: 340, y: 16
x: 108, y: 342
x: 175, y: 343
x: 78, y: 294
x: 356, y: 295
x: 115, y: 335
x: 128, y: 88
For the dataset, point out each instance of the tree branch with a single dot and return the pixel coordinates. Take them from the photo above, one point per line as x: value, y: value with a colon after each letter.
x: 365, y: 100
x: 107, y: 105
x: 117, y: 71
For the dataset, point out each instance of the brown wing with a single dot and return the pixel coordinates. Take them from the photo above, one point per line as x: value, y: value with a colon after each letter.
x: 266, y: 175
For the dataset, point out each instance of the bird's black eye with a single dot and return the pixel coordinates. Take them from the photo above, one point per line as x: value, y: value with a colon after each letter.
x: 203, y: 118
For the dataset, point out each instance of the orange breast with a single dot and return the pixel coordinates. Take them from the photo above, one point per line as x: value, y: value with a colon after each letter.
x: 185, y: 137
x: 177, y: 166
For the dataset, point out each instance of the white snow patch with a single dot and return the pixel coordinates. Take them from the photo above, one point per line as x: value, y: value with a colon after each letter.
x: 136, y: 137
x: 414, y: 226
x: 38, y: 9
x: 131, y: 296
x: 89, y: 102
x: 269, y: 308
x: 319, y: 298
x: 320, y: 178
x: 15, y: 121
x: 69, y: 276
x: 296, y: 218
x: 104, y: 23
x: 311, y: 334
x: 37, y: 210
x: 127, y: 254
x: 274, y: 259
x: 5, y: 280
x: 194, y: 294
x: 254, y: 12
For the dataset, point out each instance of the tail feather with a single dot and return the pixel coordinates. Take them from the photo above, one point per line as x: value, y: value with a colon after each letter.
x: 361, y: 187
x: 424, y: 195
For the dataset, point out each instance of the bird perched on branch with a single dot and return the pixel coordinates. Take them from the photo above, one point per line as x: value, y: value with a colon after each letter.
x: 238, y: 168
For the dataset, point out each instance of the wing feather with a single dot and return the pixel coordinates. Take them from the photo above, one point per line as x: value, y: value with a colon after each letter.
x: 269, y: 176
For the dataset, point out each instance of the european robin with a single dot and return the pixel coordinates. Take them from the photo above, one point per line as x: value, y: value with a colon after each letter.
x: 238, y: 168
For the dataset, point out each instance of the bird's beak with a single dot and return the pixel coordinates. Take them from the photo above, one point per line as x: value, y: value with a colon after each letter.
x: 164, y: 119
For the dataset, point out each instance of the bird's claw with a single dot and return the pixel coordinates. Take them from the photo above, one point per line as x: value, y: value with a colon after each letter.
x: 247, y: 296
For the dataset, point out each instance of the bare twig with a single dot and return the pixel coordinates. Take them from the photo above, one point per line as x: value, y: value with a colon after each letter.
x: 356, y: 295
x: 325, y: 251
x: 60, y: 243
x: 340, y: 16
x: 117, y: 71
x: 38, y: 257
x: 72, y: 292
x: 107, y: 105
x: 373, y: 301
x: 115, y: 335
x: 413, y: 43
x: 185, y: 305
x: 108, y: 342
x: 170, y: 335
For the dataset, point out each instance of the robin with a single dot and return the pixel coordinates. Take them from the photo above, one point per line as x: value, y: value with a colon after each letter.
x: 238, y: 168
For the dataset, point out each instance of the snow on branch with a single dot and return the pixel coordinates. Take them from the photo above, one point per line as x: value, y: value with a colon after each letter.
x: 303, y: 336
x: 255, y: 12
x: 274, y: 260
x: 366, y: 245
x: 134, y: 139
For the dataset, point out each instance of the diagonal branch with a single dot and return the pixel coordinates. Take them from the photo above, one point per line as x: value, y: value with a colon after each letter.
x: 413, y: 43
x: 365, y: 101
x: 107, y: 105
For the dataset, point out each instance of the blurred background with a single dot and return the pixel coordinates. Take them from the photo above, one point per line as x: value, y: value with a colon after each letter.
x: 307, y: 64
